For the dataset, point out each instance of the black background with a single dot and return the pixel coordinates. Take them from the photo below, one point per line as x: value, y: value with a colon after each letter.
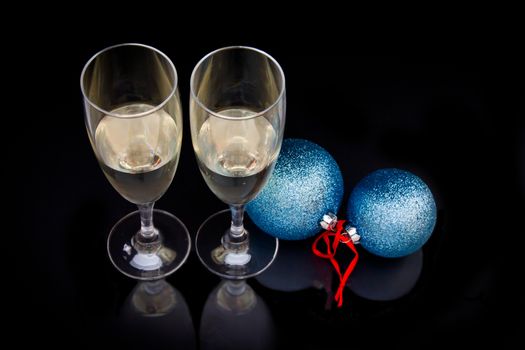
x: 452, y: 114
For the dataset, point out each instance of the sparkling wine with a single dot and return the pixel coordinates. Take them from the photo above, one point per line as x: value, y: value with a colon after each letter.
x: 138, y: 154
x: 236, y: 156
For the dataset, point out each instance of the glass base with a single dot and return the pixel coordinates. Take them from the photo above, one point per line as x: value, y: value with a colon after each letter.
x: 262, y: 248
x: 166, y: 258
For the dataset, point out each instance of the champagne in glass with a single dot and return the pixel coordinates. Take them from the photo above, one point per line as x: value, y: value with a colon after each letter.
x: 139, y: 156
x: 236, y: 158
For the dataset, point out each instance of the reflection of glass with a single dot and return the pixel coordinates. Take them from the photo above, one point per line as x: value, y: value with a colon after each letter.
x: 383, y: 279
x: 237, y: 110
x: 134, y: 122
x: 234, y: 317
x: 156, y: 314
x: 295, y: 268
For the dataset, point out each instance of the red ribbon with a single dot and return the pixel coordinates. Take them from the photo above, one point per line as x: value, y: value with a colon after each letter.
x: 338, y: 236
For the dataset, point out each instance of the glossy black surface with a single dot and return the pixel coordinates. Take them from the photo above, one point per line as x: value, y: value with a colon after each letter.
x: 455, y: 118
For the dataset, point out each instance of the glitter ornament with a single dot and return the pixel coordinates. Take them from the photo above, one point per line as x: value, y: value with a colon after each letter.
x: 393, y: 211
x: 305, y: 185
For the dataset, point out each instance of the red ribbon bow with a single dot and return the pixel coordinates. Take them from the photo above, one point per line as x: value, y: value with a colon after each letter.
x: 338, y: 237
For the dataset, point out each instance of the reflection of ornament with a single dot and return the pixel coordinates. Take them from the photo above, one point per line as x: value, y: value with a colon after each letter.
x: 394, y: 212
x: 295, y: 268
x: 305, y: 185
x: 380, y: 279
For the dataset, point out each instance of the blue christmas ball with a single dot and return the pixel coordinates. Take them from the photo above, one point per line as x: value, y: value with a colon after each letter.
x: 305, y: 184
x: 394, y: 212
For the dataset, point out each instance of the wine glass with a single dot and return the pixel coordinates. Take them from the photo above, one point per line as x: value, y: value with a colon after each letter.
x: 237, y: 109
x: 134, y: 122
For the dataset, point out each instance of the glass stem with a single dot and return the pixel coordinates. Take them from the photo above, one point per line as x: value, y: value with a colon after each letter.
x: 236, y: 238
x: 237, y: 232
x: 147, y: 233
x: 236, y: 287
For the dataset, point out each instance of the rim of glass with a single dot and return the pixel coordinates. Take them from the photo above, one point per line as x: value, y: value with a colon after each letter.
x: 135, y: 115
x: 218, y: 115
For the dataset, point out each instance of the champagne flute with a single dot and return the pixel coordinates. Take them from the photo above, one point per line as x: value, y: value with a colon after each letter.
x: 134, y: 122
x: 237, y: 109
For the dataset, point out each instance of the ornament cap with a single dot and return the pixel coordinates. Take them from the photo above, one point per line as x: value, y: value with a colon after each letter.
x: 329, y: 221
x: 352, y: 233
